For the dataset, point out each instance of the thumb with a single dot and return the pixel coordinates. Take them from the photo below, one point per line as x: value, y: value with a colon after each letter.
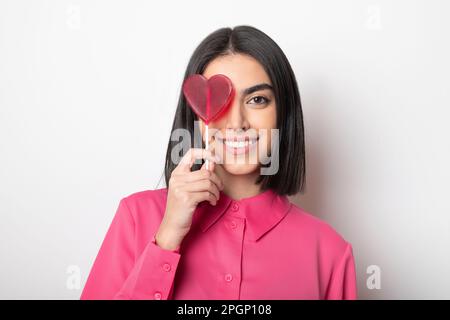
x: 211, y: 166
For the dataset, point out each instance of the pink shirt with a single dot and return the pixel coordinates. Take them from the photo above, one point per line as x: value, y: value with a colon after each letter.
x: 261, y: 247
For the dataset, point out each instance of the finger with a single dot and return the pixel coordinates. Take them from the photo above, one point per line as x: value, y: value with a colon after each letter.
x: 216, y: 151
x: 203, y: 185
x: 211, y: 166
x: 212, y: 144
x: 191, y: 156
x: 201, y: 175
x: 204, y: 196
x: 212, y: 133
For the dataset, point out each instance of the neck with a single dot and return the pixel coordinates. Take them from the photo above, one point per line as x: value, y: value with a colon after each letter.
x: 239, y: 186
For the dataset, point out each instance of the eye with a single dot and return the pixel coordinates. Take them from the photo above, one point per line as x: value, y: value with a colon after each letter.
x: 259, y: 100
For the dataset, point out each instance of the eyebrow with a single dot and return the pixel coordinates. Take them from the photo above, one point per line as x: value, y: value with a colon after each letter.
x: 258, y: 87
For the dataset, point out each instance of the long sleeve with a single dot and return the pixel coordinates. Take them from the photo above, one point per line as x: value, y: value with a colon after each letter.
x: 121, y: 273
x: 342, y: 285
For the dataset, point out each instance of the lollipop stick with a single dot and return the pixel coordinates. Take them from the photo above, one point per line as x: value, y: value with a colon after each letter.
x: 207, y: 144
x: 208, y: 106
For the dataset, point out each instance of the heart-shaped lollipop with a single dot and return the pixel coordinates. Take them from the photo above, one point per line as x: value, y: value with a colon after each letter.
x: 208, y: 98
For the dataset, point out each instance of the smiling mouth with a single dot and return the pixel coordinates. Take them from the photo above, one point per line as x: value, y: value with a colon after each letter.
x: 240, y: 145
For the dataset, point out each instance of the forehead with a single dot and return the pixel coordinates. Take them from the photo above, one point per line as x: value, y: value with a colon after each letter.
x: 244, y: 71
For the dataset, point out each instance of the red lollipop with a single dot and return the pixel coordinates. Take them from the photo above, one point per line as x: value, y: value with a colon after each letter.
x: 208, y: 98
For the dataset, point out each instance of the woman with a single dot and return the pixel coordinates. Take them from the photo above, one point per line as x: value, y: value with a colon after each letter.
x: 228, y: 231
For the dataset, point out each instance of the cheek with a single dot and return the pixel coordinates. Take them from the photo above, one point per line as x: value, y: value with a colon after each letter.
x: 264, y: 118
x: 218, y: 124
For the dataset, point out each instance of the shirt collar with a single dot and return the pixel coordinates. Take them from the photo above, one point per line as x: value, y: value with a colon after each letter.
x: 262, y: 212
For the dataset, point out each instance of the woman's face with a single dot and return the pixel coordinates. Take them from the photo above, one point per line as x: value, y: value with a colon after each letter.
x: 242, y: 136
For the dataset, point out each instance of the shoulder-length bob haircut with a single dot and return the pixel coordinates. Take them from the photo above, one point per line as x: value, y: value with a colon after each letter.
x: 290, y: 177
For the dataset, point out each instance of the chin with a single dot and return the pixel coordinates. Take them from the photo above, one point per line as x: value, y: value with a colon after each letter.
x: 240, y: 169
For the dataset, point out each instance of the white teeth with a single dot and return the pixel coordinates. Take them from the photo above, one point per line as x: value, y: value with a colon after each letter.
x: 238, y: 144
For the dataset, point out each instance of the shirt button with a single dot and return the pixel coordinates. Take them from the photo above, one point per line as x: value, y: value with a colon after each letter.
x: 228, y: 277
x: 158, y: 295
x: 166, y: 267
x: 233, y: 225
x: 235, y: 206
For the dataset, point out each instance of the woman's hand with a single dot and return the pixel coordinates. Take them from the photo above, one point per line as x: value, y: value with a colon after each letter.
x: 185, y: 191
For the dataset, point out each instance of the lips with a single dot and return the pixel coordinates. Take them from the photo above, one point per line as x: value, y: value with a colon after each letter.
x: 239, y: 145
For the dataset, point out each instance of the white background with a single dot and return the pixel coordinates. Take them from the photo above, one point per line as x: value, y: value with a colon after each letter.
x: 88, y: 91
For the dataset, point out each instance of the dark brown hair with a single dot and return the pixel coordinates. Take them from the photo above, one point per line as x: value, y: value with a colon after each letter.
x: 248, y: 40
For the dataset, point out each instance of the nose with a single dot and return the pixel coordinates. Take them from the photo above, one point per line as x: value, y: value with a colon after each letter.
x: 236, y: 118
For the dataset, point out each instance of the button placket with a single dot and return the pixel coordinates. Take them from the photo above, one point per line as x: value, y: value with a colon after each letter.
x: 228, y: 277
x: 157, y: 295
x: 234, y: 225
x: 166, y: 267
